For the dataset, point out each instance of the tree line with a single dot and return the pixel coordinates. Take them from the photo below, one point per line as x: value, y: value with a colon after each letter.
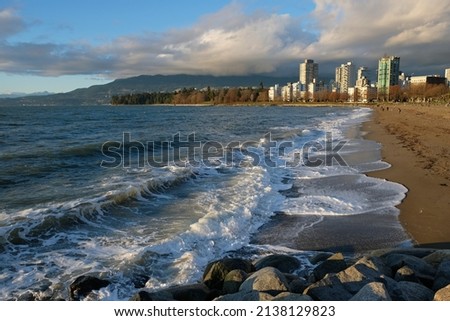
x: 194, y: 96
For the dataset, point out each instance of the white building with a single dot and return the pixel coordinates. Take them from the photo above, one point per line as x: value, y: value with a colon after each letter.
x: 274, y: 92
x: 308, y: 72
x: 345, y: 77
x: 447, y: 75
x: 428, y: 80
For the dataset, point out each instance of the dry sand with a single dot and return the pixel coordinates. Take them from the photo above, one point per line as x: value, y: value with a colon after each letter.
x: 416, y: 142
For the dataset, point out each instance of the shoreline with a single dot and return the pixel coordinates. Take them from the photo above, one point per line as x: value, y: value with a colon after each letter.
x: 415, y: 142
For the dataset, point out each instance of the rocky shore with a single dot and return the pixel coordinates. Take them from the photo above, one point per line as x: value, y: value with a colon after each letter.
x: 412, y: 274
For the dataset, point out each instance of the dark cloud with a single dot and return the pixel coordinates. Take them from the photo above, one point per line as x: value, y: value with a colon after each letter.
x: 10, y: 23
x: 230, y: 42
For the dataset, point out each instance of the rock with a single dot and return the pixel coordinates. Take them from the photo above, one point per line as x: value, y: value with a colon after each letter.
x: 287, y: 296
x: 298, y: 286
x: 152, y: 296
x: 417, y: 252
x: 443, y: 294
x: 437, y: 257
x: 320, y: 257
x: 329, y: 288
x: 216, y: 271
x: 27, y: 296
x: 246, y: 296
x: 233, y: 281
x: 421, y: 269
x: 405, y: 273
x: 192, y: 292
x: 410, y: 291
x: 267, y: 279
x: 283, y: 263
x: 376, y: 264
x: 345, y: 284
x: 442, y: 278
x: 334, y: 264
x: 85, y: 284
x: 374, y: 291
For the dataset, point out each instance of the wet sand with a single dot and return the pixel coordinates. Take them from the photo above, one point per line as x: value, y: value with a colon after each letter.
x: 416, y: 142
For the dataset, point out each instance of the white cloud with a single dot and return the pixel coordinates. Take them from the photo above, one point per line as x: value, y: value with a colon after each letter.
x: 368, y: 29
x: 231, y: 42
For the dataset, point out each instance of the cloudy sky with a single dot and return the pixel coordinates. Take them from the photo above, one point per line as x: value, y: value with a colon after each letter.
x: 59, y: 45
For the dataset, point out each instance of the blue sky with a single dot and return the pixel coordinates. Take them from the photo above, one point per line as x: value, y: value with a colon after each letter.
x: 59, y: 46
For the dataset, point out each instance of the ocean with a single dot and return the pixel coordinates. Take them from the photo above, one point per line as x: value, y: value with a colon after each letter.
x: 147, y: 196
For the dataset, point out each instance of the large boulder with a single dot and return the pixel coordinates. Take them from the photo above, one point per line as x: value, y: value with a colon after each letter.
x: 283, y: 263
x: 443, y: 294
x: 152, y: 296
x: 442, y: 276
x: 410, y: 291
x: 424, y: 271
x: 320, y: 257
x: 345, y: 284
x: 268, y: 280
x: 192, y: 292
x: 329, y: 288
x: 216, y: 271
x: 233, y: 281
x: 437, y: 257
x: 374, y: 291
x: 298, y: 285
x: 245, y: 296
x: 334, y: 264
x: 85, y: 284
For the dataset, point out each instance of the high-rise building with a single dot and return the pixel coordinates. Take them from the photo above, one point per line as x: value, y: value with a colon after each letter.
x: 363, y: 72
x: 388, y: 74
x: 308, y: 72
x: 345, y: 77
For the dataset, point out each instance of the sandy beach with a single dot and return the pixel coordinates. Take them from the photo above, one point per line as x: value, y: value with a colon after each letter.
x: 415, y: 141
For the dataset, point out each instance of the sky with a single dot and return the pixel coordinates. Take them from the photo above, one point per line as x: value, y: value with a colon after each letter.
x: 58, y: 46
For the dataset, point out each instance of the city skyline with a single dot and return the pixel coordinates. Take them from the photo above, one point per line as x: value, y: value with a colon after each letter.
x: 55, y: 46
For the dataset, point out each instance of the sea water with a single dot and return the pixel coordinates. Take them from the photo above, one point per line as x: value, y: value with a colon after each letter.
x: 147, y: 196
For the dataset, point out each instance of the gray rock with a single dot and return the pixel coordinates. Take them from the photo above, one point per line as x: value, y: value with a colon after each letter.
x: 374, y: 291
x: 329, y: 288
x: 437, y: 257
x: 233, y: 281
x: 152, y: 296
x: 376, y: 264
x: 283, y: 263
x: 216, y: 271
x: 410, y: 291
x: 192, y: 292
x: 443, y: 294
x: 421, y: 268
x: 27, y: 296
x: 85, y: 284
x: 442, y: 276
x: 299, y: 285
x: 268, y: 280
x: 345, y: 284
x: 405, y: 273
x: 287, y: 296
x: 246, y: 296
x: 335, y: 263
x: 320, y: 257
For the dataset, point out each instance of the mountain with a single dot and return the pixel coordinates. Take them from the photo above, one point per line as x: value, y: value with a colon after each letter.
x: 101, y: 94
